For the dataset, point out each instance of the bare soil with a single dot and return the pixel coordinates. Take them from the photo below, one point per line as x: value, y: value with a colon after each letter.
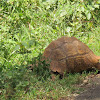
x: 92, y: 89
x: 91, y: 86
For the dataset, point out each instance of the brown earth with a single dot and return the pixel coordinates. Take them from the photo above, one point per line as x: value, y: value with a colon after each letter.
x: 91, y: 91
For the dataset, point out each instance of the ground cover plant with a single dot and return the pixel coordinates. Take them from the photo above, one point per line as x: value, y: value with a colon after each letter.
x: 26, y: 29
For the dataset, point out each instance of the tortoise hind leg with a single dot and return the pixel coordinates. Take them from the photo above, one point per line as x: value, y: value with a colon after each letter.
x: 98, y: 66
x: 98, y: 62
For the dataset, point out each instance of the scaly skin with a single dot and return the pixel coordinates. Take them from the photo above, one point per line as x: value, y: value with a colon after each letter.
x: 98, y: 64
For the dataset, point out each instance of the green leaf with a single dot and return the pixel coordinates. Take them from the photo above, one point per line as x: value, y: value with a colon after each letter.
x: 68, y: 29
x: 17, y: 47
x: 88, y: 15
x: 24, y: 44
x: 96, y: 6
x: 1, y: 69
x: 98, y: 1
x: 63, y: 13
x: 16, y: 37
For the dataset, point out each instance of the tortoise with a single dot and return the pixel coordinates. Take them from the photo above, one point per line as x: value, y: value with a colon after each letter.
x: 68, y: 54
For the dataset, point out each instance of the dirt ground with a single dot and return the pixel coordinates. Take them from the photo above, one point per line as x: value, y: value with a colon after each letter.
x: 92, y: 89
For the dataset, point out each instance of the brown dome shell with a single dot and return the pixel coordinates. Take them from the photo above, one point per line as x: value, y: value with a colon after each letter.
x: 68, y: 54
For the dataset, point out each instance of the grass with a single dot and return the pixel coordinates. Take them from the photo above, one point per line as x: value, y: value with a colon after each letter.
x: 26, y: 29
x: 26, y: 85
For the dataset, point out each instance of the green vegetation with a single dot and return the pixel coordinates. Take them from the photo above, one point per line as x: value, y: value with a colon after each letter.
x: 26, y: 28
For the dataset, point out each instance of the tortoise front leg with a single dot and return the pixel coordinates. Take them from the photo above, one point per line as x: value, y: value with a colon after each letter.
x: 54, y: 75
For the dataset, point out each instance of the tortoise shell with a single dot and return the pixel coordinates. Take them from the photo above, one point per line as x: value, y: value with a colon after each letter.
x: 68, y: 54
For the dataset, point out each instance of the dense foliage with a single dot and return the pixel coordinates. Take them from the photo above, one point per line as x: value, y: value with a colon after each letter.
x: 28, y: 26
